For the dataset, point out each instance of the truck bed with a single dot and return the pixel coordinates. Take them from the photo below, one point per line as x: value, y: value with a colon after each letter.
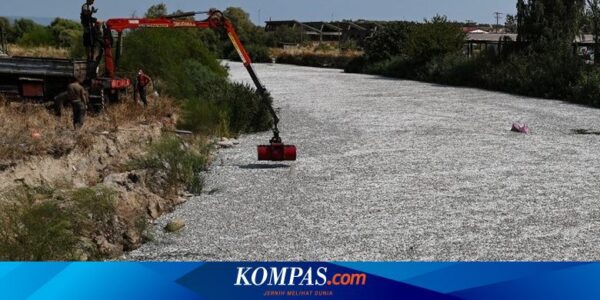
x: 51, y: 74
x: 43, y: 67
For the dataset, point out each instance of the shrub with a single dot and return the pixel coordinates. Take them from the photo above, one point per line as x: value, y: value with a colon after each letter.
x: 349, y: 45
x: 36, y: 232
x: 37, y: 36
x: 245, y: 109
x: 433, y: 52
x: 40, y: 223
x: 232, y: 108
x: 7, y: 29
x: 94, y: 209
x: 164, y: 53
x: 312, y: 59
x: 189, y: 72
x: 388, y: 42
x: 434, y: 38
x: 545, y: 75
x: 397, y: 66
x: 455, y: 69
x: 20, y: 27
x: 180, y: 161
x: 76, y: 49
x: 65, y: 32
x: 212, y: 41
x: 586, y: 89
x: 204, y: 116
x: 258, y: 54
x: 356, y: 65
x: 322, y: 47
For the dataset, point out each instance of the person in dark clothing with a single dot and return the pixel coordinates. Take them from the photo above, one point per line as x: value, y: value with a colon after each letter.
x: 79, y: 100
x: 143, y: 81
x: 88, y: 22
x: 59, y: 102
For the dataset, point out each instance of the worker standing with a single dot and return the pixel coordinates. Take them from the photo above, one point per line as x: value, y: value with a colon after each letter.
x: 142, y: 83
x: 88, y: 22
x: 59, y: 101
x: 79, y: 99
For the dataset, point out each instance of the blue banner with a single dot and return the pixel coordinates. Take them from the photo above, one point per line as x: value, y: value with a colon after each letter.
x: 299, y: 280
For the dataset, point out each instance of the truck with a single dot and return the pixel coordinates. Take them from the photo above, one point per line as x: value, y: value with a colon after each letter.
x: 40, y: 79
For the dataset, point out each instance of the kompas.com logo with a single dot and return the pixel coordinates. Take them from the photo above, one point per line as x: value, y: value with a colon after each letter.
x: 296, y: 276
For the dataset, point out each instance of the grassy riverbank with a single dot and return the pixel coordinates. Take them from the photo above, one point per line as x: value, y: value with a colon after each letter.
x: 320, y: 56
x: 544, y: 66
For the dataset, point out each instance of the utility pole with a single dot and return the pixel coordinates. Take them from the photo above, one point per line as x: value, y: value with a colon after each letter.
x: 498, y: 16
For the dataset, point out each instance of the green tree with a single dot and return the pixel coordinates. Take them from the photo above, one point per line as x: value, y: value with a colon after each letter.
x: 436, y: 38
x: 156, y: 11
x: 6, y: 29
x: 212, y: 41
x: 180, y: 12
x: 510, y: 24
x: 65, y: 32
x: 5, y: 23
x: 241, y: 20
x: 593, y: 14
x: 549, y: 25
x: 163, y: 52
x: 22, y: 26
x: 253, y: 37
x: 37, y: 35
x: 388, y: 42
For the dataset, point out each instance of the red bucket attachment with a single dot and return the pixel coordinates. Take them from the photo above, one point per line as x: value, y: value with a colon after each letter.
x: 276, y: 152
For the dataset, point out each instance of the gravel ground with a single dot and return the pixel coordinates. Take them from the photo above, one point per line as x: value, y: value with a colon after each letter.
x: 398, y: 170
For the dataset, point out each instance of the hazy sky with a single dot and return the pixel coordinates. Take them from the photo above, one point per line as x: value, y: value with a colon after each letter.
x: 304, y: 10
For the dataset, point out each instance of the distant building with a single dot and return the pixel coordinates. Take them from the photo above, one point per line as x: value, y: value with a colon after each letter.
x: 476, y: 42
x: 358, y: 30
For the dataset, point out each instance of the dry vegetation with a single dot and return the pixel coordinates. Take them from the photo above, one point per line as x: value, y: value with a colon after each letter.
x: 32, y: 129
x: 43, y: 51
x: 316, y: 56
x: 276, y: 52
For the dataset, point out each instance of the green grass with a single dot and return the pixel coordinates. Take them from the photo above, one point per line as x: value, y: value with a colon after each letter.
x: 179, y: 161
x: 43, y: 224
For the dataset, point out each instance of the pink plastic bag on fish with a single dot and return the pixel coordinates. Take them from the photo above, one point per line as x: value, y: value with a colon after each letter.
x: 520, y: 127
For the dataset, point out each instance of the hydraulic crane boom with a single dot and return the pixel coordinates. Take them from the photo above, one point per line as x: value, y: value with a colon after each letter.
x: 276, y: 151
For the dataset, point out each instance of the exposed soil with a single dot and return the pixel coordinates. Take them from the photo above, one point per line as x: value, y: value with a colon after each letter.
x: 98, y: 155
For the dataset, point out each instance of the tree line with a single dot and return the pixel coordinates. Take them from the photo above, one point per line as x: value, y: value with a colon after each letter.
x: 542, y: 62
x: 60, y: 33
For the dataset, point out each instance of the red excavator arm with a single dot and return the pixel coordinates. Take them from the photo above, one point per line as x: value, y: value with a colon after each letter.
x: 276, y: 151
